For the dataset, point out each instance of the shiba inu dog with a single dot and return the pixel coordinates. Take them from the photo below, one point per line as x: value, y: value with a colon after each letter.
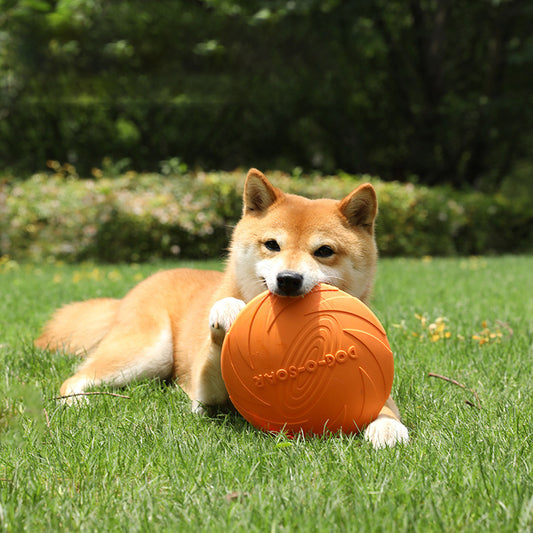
x: 172, y: 325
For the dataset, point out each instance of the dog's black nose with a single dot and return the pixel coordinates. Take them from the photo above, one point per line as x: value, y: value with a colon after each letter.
x: 289, y: 283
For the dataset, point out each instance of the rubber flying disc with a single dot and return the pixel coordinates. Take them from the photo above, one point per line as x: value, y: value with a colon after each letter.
x: 313, y: 364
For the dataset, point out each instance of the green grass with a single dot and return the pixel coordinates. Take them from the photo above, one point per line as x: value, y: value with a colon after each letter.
x: 147, y: 464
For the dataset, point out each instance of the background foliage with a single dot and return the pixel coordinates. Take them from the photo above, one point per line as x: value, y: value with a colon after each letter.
x: 136, y: 217
x: 438, y: 89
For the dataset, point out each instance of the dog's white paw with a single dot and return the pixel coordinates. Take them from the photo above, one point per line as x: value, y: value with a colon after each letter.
x: 198, y: 408
x: 73, y: 400
x: 386, y: 431
x: 72, y: 391
x: 222, y: 315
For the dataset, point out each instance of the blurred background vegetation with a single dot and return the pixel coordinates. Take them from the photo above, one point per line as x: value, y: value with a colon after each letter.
x: 438, y: 89
x: 427, y: 92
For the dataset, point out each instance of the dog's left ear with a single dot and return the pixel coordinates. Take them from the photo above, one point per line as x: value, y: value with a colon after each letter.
x: 360, y: 207
x: 259, y: 193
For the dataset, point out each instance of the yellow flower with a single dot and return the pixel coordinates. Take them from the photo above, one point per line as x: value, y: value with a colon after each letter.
x: 486, y: 335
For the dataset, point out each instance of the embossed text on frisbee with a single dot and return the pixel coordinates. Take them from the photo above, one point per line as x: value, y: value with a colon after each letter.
x: 311, y: 366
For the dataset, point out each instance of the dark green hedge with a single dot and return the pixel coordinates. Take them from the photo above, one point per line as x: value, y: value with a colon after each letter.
x: 137, y: 217
x: 439, y: 90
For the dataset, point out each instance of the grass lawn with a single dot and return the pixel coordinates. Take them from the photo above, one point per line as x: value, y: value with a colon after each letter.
x: 147, y: 464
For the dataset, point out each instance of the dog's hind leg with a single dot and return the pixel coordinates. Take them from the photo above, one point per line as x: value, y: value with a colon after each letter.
x: 134, y: 349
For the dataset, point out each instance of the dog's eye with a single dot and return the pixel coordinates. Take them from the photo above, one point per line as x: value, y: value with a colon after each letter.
x: 272, y: 245
x: 324, y: 252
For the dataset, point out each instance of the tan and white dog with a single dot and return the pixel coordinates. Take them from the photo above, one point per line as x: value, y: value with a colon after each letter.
x: 172, y: 324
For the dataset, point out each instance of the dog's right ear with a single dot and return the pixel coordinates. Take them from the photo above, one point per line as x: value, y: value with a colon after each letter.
x: 259, y: 193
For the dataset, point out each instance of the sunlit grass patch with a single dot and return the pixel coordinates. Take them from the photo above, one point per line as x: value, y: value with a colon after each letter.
x: 146, y: 463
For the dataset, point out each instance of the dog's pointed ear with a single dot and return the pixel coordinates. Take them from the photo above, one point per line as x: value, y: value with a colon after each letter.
x: 259, y: 193
x: 360, y: 207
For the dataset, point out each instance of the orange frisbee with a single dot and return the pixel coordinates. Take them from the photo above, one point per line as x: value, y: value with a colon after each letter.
x: 320, y: 363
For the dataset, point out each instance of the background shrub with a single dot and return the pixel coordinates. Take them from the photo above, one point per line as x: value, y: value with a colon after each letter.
x: 440, y: 90
x: 138, y: 217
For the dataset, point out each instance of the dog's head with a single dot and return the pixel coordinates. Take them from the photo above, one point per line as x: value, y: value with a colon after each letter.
x: 287, y: 244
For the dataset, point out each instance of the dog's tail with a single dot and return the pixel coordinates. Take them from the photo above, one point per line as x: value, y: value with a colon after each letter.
x: 79, y: 327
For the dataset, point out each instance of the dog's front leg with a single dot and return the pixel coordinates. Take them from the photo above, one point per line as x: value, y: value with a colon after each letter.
x: 222, y: 316
x: 387, y: 430
x: 209, y: 387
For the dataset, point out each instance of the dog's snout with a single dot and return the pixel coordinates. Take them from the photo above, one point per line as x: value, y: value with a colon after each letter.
x: 289, y: 283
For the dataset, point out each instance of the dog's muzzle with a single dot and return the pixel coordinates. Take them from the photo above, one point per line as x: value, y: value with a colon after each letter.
x: 289, y: 283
